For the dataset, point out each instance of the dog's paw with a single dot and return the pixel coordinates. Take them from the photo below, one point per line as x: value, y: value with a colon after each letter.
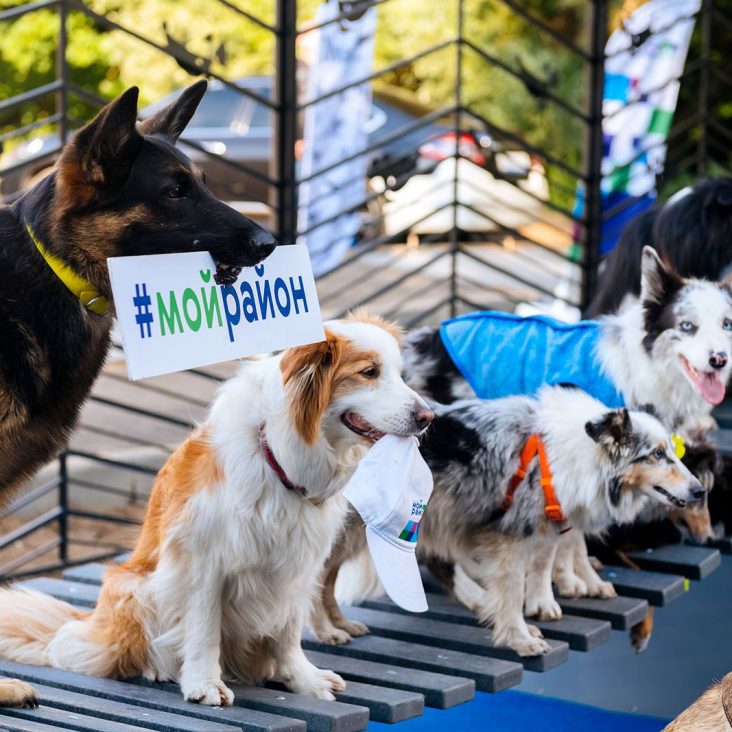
x: 529, y: 646
x: 334, y: 636
x: 571, y: 586
x: 354, y: 628
x: 15, y: 693
x: 534, y: 631
x: 639, y: 642
x: 212, y: 692
x: 321, y: 684
x: 602, y: 589
x: 544, y: 609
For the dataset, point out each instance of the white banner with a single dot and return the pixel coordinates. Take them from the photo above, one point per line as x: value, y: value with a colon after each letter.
x: 335, y: 129
x: 173, y: 316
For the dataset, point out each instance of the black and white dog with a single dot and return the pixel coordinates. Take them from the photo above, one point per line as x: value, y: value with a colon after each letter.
x: 604, y: 467
x: 692, y: 231
x: 669, y: 349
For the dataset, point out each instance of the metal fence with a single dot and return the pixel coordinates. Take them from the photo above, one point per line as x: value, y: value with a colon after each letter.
x: 435, y: 241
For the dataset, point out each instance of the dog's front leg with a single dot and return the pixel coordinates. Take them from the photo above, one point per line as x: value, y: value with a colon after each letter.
x: 326, y: 619
x: 295, y: 671
x: 567, y: 582
x: 200, y: 677
x: 596, y: 586
x: 540, y: 602
x: 498, y: 568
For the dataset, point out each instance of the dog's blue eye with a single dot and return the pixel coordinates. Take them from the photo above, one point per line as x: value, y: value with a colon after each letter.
x: 658, y: 454
x: 727, y: 325
x: 686, y: 326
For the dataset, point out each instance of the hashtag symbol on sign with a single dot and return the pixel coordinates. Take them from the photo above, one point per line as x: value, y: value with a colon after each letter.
x: 144, y: 316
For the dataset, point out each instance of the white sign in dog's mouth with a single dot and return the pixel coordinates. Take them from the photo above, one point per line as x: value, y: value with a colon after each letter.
x: 708, y: 383
x: 173, y: 315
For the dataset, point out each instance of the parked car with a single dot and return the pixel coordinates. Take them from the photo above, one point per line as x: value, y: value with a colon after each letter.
x: 230, y: 130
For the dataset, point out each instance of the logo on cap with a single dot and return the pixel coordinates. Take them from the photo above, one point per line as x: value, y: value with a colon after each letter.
x: 410, y: 532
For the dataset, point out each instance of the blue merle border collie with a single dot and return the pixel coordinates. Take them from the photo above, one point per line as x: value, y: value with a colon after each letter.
x: 606, y: 465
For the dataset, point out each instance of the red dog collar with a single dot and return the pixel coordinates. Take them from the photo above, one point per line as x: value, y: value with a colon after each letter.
x: 276, y: 467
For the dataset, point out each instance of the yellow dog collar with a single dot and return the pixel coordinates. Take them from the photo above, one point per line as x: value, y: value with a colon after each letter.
x: 82, y: 289
x: 679, y: 446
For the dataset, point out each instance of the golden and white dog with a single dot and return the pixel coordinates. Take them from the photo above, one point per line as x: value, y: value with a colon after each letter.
x: 240, y: 522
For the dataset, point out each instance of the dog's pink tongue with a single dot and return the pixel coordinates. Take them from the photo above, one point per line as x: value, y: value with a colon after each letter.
x: 712, y: 388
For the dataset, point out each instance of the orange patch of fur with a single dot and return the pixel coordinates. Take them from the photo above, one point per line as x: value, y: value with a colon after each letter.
x: 317, y: 374
x: 361, y: 315
x: 118, y: 621
x: 192, y: 467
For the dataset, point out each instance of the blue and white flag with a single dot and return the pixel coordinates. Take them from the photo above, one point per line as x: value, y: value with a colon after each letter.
x: 335, y: 130
x: 643, y: 62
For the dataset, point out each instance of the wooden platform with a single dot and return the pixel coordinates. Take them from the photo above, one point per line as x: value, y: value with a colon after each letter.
x: 437, y: 659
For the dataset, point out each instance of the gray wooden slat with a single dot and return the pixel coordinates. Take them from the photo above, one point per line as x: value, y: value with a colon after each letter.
x: 694, y: 562
x: 453, y: 636
x: 94, y: 706
x: 73, y: 592
x: 9, y: 724
x: 319, y: 715
x: 621, y: 612
x: 384, y: 704
x: 90, y: 574
x: 151, y: 698
x: 440, y: 690
x: 489, y: 674
x: 581, y: 634
x: 72, y: 720
x: 658, y: 588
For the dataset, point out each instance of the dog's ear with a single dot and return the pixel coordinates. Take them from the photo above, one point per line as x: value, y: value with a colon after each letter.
x: 658, y: 282
x: 172, y: 120
x: 308, y: 373
x: 612, y: 431
x: 99, y: 159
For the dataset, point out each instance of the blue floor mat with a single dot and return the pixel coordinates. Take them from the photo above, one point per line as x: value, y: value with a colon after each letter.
x: 514, y: 711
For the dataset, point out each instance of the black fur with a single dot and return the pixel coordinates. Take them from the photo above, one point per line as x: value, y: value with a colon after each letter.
x: 428, y: 346
x: 449, y: 441
x: 693, y: 235
x: 658, y: 314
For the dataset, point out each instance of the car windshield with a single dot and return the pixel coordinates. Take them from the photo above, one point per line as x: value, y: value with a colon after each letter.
x: 221, y: 108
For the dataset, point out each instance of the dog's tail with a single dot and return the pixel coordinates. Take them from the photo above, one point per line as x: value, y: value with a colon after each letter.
x: 29, y: 622
x: 357, y: 580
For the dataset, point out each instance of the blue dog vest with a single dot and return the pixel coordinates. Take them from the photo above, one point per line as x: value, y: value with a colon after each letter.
x: 501, y: 355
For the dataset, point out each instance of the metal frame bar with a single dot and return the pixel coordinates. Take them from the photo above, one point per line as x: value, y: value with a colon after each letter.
x: 283, y: 182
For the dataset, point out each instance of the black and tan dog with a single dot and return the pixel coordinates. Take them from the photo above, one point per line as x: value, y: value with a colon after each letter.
x: 118, y: 189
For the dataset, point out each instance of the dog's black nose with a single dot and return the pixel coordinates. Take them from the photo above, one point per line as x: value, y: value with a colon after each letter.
x: 697, y: 491
x: 423, y: 416
x: 718, y: 360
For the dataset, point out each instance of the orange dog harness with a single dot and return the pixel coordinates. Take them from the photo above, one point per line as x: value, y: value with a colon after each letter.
x: 534, y: 446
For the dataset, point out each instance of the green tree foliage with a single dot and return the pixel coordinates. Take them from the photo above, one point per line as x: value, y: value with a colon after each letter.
x: 105, y: 61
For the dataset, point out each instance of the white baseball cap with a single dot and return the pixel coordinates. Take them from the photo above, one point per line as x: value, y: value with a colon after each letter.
x: 390, y: 490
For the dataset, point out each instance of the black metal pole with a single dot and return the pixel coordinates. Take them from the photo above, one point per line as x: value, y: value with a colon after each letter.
x: 593, y: 152
x: 706, y: 46
x: 286, y: 121
x: 455, y: 232
x: 63, y: 502
x: 62, y: 74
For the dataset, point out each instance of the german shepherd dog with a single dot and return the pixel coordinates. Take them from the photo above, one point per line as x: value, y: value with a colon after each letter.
x: 118, y: 189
